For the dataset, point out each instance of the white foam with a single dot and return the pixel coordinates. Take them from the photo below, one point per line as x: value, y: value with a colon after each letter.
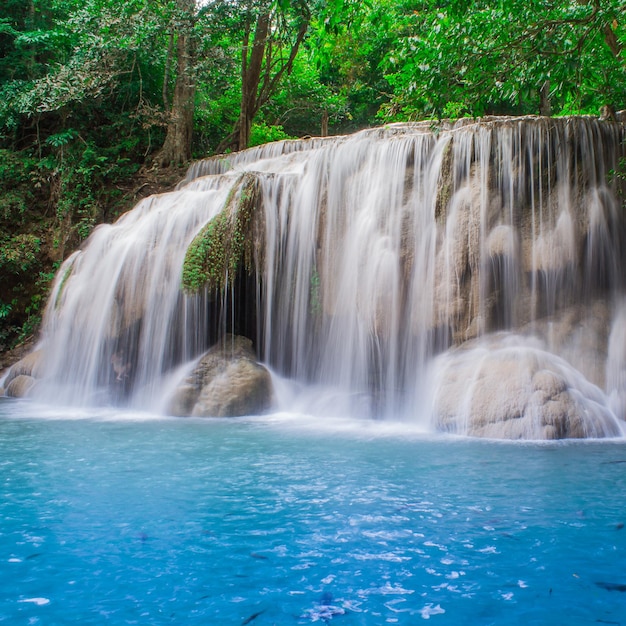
x: 430, y: 610
x: 37, y: 601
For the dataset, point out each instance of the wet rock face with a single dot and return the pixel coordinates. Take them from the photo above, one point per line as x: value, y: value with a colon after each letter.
x: 501, y: 389
x: 20, y: 386
x: 226, y: 382
x: 23, y: 375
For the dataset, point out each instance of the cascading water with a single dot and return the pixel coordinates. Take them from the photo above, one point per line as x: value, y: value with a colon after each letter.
x: 375, y: 256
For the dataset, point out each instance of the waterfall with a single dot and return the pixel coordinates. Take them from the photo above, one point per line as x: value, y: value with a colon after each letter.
x: 466, y: 275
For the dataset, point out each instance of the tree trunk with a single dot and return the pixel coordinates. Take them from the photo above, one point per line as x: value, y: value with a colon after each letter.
x: 260, y: 80
x: 166, y: 72
x: 251, y: 76
x: 177, y: 146
x: 31, y: 25
x: 612, y: 41
x: 545, y: 106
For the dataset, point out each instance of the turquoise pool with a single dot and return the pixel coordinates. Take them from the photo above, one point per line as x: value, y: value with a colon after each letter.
x: 115, y: 518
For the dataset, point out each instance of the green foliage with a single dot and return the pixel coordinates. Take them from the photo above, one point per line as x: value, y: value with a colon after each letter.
x: 62, y: 138
x: 348, y: 44
x: 80, y: 89
x: 454, y: 110
x: 262, y: 133
x: 86, y: 175
x: 34, y: 309
x: 315, y: 300
x: 302, y: 99
x: 618, y: 177
x: 5, y: 310
x: 497, y: 57
x: 18, y: 187
x: 19, y: 253
x: 20, y: 308
x: 215, y: 117
x: 8, y: 330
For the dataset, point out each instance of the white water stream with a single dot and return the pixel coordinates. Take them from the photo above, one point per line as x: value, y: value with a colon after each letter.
x: 382, y: 251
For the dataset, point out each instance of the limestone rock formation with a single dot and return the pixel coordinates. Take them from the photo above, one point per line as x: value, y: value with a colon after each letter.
x: 20, y: 386
x: 358, y: 260
x: 226, y: 382
x: 508, y: 389
x: 23, y: 375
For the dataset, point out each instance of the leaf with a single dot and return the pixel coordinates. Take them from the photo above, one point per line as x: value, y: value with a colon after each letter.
x: 61, y: 139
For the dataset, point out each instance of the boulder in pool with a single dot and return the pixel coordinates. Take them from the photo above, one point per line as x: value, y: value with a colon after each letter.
x: 506, y: 388
x: 226, y: 382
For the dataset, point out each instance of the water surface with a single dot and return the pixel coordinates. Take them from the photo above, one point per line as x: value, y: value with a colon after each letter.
x: 126, y: 518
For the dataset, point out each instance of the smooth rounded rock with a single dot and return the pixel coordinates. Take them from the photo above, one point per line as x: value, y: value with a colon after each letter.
x: 244, y: 388
x: 20, y: 386
x: 30, y: 365
x: 226, y: 382
x: 505, y: 388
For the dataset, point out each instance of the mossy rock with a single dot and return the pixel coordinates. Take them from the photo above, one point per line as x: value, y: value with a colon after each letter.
x: 230, y: 241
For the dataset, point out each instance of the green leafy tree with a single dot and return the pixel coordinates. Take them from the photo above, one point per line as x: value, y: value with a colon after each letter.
x: 350, y: 41
x: 269, y: 36
x: 511, y: 57
x: 80, y: 109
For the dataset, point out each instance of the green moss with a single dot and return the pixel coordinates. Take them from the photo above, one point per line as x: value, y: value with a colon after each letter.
x: 66, y: 275
x: 227, y: 243
x: 315, y: 300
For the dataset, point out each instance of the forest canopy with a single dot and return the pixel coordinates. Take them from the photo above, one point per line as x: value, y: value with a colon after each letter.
x: 97, y: 96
